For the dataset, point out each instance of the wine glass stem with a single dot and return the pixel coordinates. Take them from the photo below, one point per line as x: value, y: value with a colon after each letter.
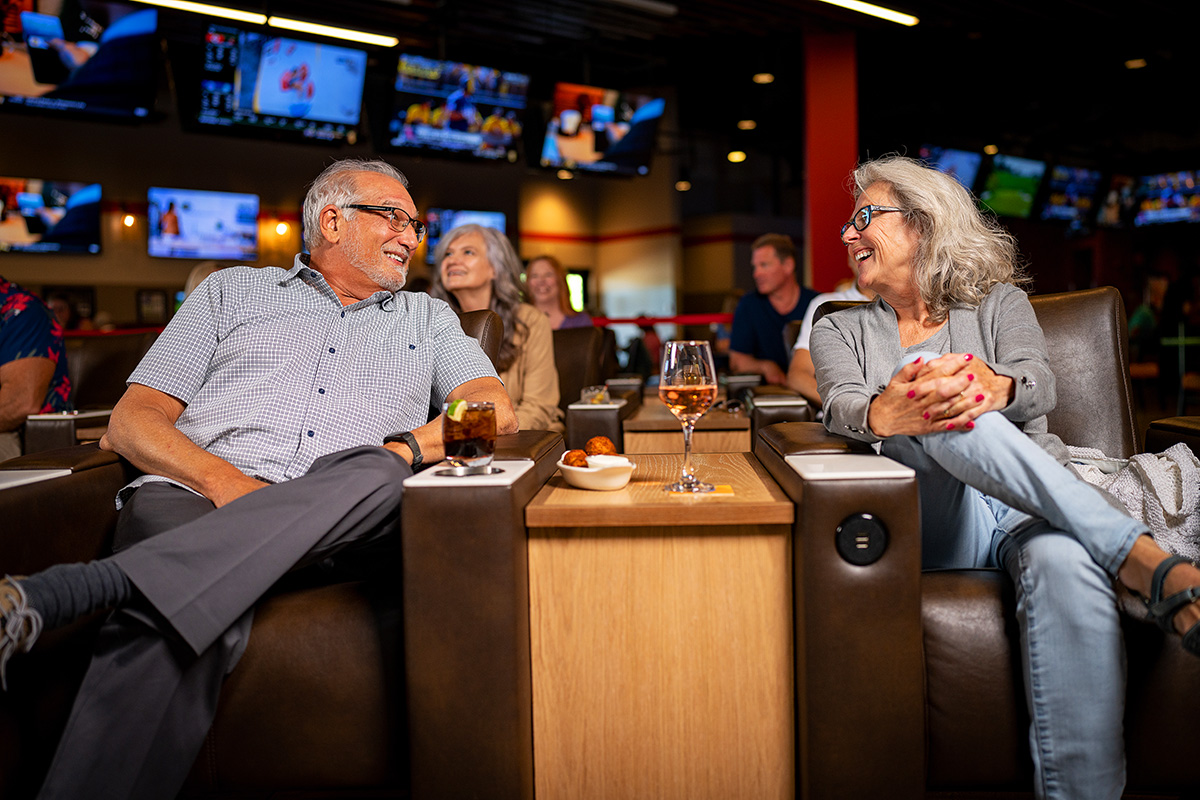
x: 689, y: 476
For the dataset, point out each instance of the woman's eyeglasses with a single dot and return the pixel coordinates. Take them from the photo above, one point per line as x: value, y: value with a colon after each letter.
x: 395, y: 222
x: 862, y: 218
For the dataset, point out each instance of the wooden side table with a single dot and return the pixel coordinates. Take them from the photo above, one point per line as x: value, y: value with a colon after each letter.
x: 661, y: 634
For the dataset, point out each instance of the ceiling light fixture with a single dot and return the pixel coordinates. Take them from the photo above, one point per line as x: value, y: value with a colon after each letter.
x: 212, y: 11
x: 1135, y: 63
x: 565, y: 174
x: 991, y: 149
x: 736, y: 156
x: 683, y: 186
x: 875, y: 11
x: 336, y: 33
x: 747, y: 124
x: 763, y: 77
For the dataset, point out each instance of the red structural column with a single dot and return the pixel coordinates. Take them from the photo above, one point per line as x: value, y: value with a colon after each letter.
x: 830, y: 151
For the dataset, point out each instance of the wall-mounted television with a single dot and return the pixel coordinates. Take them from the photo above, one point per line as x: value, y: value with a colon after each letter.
x: 451, y: 107
x: 1120, y: 203
x: 962, y: 165
x: 1168, y: 197
x: 91, y: 59
x: 39, y: 216
x: 601, y: 130
x: 256, y: 81
x: 191, y: 223
x: 443, y: 220
x: 1012, y: 185
x: 1071, y: 195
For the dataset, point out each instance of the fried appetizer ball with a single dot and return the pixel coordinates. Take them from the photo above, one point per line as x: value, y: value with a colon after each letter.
x: 600, y: 446
x: 575, y: 458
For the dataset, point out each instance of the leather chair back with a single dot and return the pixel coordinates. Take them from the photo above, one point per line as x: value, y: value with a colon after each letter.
x: 1087, y: 339
x: 99, y: 363
x: 579, y: 358
x: 485, y: 326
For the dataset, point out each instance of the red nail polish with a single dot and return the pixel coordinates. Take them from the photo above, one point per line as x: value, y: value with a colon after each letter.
x: 950, y: 427
x: 918, y: 361
x: 968, y: 357
x: 969, y: 425
x: 926, y: 415
x: 970, y: 377
x: 912, y: 393
x: 978, y: 398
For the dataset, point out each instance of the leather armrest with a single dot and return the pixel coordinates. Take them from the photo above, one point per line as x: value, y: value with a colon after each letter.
x: 1163, y: 433
x: 584, y: 423
x: 768, y: 405
x: 53, y: 431
x: 858, y: 638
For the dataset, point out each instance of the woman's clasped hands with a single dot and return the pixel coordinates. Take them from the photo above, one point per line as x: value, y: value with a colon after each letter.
x: 944, y: 394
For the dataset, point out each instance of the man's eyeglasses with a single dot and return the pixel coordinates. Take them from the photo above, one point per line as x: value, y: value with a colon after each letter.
x: 862, y: 218
x: 395, y: 221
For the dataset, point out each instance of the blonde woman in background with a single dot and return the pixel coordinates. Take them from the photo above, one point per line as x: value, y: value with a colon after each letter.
x: 546, y: 287
x: 478, y: 269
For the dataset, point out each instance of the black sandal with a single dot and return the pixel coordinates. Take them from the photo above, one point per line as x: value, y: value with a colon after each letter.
x: 1162, y: 610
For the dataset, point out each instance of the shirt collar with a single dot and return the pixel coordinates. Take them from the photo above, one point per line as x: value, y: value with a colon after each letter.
x: 301, y: 267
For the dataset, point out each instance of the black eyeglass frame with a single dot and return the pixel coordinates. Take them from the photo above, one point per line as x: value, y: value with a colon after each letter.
x: 870, y: 211
x: 418, y: 226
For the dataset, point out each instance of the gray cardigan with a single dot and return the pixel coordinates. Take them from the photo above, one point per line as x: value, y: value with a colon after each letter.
x: 855, y: 352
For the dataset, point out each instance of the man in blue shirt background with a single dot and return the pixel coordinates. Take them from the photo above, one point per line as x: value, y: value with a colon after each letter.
x: 33, y: 364
x: 756, y: 344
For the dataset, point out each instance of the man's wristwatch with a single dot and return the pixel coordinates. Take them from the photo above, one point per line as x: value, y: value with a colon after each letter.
x: 409, y: 440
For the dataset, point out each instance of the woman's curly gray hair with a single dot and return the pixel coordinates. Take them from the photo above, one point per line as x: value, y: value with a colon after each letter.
x: 506, y: 286
x: 961, y: 252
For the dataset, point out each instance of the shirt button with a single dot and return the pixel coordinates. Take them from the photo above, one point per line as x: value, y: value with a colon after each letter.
x: 311, y: 434
x: 332, y: 350
x: 320, y: 391
x: 343, y: 315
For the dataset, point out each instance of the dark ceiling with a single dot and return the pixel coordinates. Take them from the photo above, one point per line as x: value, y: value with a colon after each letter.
x: 1040, y: 78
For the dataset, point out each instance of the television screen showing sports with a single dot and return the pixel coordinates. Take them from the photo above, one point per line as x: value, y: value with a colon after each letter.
x: 601, y: 130
x: 256, y: 80
x: 38, y: 216
x: 89, y: 58
x: 191, y: 223
x: 1072, y: 194
x: 1012, y: 185
x: 1168, y: 197
x: 962, y: 165
x: 458, y: 108
x: 442, y: 220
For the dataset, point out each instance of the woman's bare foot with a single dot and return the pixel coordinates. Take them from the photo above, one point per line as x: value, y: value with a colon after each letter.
x: 1138, y: 570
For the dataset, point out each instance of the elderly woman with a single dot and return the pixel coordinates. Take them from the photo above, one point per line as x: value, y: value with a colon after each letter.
x: 546, y: 286
x: 946, y: 370
x: 478, y: 269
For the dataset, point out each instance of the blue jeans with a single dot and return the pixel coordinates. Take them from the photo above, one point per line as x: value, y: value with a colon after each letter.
x: 991, y: 497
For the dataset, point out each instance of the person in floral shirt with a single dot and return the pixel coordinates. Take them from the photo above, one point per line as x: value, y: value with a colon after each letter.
x: 33, y: 364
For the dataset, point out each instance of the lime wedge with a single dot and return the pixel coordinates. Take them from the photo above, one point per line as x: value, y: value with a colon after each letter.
x: 456, y: 410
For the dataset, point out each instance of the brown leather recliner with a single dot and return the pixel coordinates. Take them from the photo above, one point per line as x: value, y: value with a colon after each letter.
x: 412, y: 682
x: 909, y: 684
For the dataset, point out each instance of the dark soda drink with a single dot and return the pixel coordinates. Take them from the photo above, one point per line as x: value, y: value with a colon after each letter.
x: 471, y: 440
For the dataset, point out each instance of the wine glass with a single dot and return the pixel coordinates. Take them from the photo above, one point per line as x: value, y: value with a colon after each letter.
x: 688, y: 386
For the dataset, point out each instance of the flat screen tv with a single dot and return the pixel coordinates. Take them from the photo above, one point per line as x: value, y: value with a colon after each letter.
x: 601, y: 130
x: 191, y: 223
x: 258, y: 81
x: 442, y: 220
x: 1168, y: 197
x: 963, y: 165
x: 1012, y: 185
x: 450, y: 107
x: 98, y: 59
x: 1072, y: 194
x: 1120, y: 203
x: 39, y: 216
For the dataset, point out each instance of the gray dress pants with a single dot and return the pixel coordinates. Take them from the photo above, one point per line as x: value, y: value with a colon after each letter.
x: 150, y: 693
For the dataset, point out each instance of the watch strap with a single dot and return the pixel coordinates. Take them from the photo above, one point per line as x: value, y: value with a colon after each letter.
x: 411, y: 441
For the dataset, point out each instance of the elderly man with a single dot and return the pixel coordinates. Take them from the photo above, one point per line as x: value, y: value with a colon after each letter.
x: 33, y: 365
x: 275, y: 418
x: 756, y: 344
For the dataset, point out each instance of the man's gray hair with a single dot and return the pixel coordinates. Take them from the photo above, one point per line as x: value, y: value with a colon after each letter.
x: 337, y: 185
x: 961, y: 252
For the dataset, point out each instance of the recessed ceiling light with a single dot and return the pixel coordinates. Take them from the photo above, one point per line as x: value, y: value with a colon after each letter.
x: 763, y: 77
x: 565, y: 174
x: 1135, y: 63
x: 683, y: 186
x: 736, y: 156
x: 747, y: 124
x: 991, y: 149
